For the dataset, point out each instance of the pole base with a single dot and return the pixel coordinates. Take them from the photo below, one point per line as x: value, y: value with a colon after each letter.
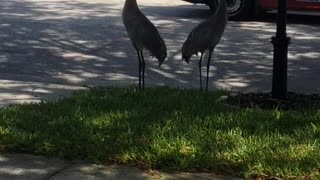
x: 280, y: 67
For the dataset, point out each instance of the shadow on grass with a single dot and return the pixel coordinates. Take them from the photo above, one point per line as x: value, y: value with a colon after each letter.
x: 77, y: 43
x: 167, y: 129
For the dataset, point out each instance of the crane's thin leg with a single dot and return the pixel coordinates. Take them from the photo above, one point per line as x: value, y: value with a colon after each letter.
x: 143, y: 65
x: 200, y: 62
x: 208, y: 66
x: 139, y: 57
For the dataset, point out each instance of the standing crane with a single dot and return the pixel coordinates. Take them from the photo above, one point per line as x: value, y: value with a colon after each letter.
x: 144, y: 35
x: 206, y: 36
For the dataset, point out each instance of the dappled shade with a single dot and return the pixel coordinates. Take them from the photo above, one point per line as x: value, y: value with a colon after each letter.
x: 82, y: 43
x: 167, y: 129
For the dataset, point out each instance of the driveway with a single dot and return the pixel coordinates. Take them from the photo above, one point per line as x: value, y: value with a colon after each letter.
x: 49, y: 48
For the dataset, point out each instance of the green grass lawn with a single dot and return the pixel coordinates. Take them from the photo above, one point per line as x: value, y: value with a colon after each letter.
x: 168, y: 129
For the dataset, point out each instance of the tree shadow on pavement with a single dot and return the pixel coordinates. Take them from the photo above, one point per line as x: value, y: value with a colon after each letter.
x: 85, y: 44
x: 243, y: 60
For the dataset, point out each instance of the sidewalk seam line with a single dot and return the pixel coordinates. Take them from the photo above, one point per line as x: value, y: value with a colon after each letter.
x: 59, y: 171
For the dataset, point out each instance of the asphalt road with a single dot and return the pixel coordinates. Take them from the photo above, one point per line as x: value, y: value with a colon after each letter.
x: 49, y: 48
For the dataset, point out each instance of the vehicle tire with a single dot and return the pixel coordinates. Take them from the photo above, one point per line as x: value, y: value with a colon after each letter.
x: 240, y: 9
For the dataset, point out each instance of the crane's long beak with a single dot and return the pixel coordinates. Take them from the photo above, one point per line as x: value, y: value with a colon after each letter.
x: 160, y: 63
x: 162, y: 59
x: 187, y: 60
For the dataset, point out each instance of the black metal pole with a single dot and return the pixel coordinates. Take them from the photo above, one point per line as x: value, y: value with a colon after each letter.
x: 280, y: 56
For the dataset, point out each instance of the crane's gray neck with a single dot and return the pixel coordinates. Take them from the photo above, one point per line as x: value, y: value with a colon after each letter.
x: 221, y: 13
x: 131, y: 4
x: 222, y: 7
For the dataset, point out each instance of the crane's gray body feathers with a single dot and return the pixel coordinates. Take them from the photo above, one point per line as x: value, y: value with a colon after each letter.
x: 143, y: 34
x: 207, y: 34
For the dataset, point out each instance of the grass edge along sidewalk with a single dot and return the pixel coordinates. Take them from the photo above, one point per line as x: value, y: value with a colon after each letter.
x: 168, y: 129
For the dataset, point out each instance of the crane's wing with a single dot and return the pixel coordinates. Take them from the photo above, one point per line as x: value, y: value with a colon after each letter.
x: 199, y: 39
x: 151, y: 38
x: 144, y: 34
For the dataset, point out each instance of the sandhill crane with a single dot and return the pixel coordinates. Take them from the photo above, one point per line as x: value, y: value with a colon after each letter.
x: 206, y: 36
x: 144, y: 35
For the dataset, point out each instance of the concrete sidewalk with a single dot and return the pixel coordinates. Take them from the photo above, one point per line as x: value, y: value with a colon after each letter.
x: 30, y: 167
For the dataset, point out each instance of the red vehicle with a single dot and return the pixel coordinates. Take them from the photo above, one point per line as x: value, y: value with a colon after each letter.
x: 241, y: 9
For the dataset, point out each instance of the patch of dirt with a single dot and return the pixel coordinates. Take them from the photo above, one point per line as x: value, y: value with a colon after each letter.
x: 294, y: 101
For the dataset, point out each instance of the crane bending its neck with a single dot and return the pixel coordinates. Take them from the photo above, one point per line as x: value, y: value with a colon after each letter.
x: 221, y: 9
x: 220, y: 16
x: 131, y: 4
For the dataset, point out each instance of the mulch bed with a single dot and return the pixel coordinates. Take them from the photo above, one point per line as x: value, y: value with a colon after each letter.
x: 294, y: 101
